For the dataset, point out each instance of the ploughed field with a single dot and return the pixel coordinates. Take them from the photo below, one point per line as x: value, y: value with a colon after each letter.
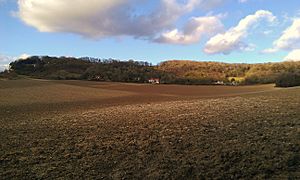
x: 80, y: 129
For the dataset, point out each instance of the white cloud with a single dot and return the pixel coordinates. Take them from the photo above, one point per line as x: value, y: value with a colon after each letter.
x: 74, y: 16
x: 106, y: 18
x: 289, y: 40
x: 193, y: 31
x: 269, y: 50
x: 267, y: 32
x: 293, y: 55
x: 248, y: 47
x: 4, y: 62
x: 233, y: 39
x: 24, y: 56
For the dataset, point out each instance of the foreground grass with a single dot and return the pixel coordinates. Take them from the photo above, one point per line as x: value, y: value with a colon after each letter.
x: 248, y: 136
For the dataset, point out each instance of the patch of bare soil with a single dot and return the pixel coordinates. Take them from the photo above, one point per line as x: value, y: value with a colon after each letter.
x: 177, y: 90
x: 249, y: 136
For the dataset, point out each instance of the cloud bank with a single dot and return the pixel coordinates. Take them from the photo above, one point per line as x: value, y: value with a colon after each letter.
x: 293, y: 55
x: 233, y: 39
x: 193, y: 31
x: 289, y: 40
x: 107, y: 18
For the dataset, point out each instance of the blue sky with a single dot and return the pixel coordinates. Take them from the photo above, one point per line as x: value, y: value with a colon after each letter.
x: 133, y: 33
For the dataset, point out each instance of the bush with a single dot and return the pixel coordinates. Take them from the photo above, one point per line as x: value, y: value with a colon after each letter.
x: 288, y: 79
x: 9, y: 75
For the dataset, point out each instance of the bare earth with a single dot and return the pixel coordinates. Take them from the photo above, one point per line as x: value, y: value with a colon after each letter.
x: 78, y: 129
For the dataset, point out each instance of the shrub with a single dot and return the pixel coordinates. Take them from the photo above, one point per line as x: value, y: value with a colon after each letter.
x: 288, y: 79
x: 9, y: 75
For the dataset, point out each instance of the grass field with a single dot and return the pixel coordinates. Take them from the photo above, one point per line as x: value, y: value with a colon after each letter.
x: 80, y: 129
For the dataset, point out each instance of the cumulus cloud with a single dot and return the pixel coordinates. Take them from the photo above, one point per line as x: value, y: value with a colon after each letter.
x: 289, y: 40
x: 106, y: 18
x: 193, y: 31
x: 233, y: 39
x: 293, y: 55
x: 95, y: 18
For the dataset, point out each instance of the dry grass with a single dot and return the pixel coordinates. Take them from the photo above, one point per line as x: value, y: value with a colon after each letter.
x: 145, y: 134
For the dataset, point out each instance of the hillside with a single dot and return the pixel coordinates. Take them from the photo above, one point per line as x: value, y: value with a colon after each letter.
x: 169, y: 72
x: 246, y: 73
x: 214, y: 71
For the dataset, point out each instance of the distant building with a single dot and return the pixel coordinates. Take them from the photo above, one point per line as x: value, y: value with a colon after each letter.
x: 154, y: 81
x: 219, y: 83
x: 96, y: 78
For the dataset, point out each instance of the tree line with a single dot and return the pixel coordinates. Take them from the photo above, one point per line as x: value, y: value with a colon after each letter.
x: 169, y: 72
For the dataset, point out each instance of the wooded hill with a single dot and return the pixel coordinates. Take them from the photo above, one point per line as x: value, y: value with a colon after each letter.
x: 244, y: 73
x: 169, y: 72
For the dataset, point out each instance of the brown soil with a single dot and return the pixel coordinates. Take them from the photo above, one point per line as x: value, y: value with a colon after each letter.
x: 75, y: 129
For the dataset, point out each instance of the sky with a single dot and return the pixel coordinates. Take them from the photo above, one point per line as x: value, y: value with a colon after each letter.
x: 233, y: 31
